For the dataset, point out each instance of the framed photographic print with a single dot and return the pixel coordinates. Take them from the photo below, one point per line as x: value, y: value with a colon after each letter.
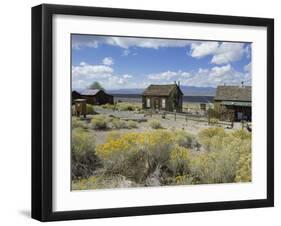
x: 146, y: 112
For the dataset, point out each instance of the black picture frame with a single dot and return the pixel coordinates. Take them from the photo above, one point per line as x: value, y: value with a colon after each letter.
x: 42, y: 107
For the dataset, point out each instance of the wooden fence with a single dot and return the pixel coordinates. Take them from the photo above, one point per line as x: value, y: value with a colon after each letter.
x: 203, y: 117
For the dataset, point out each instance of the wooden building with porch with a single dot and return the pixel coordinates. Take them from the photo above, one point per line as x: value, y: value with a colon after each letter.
x: 234, y: 103
x: 93, y: 96
x: 167, y: 97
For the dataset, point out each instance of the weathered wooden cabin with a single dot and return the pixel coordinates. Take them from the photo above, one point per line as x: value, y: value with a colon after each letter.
x: 93, y: 96
x: 75, y: 95
x: 234, y: 103
x: 163, y: 97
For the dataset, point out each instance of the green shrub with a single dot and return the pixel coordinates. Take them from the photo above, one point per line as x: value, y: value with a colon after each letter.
x: 117, y: 123
x: 132, y: 124
x: 124, y: 106
x: 136, y: 155
x: 206, y: 136
x: 214, y: 167
x: 90, y: 109
x: 213, y: 121
x: 99, y: 122
x: 179, y: 160
x: 77, y: 123
x: 185, y: 139
x: 228, y: 159
x: 241, y: 134
x: 83, y: 158
x: 183, y: 179
x: 244, y: 163
x: 98, y: 182
x: 113, y: 135
x: 154, y: 124
x: 159, y: 157
x: 85, y: 183
x: 108, y: 106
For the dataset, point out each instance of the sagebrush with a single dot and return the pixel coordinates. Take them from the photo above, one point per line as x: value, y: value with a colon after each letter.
x: 163, y: 157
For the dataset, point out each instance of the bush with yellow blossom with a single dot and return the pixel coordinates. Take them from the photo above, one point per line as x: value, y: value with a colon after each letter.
x: 162, y: 157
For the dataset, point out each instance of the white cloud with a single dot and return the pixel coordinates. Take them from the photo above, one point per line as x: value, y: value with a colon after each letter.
x: 91, y: 71
x: 248, y: 51
x: 126, y: 76
x: 125, y: 42
x: 85, y: 74
x: 228, y: 52
x: 79, y: 84
x: 220, y: 71
x: 186, y: 74
x: 108, y: 61
x: 222, y: 53
x: 79, y: 42
x: 199, y: 50
x: 118, y: 80
x: 125, y: 52
x: 248, y: 67
x: 215, y: 76
x: 204, y: 77
x: 248, y: 73
x: 82, y: 63
x: 167, y: 75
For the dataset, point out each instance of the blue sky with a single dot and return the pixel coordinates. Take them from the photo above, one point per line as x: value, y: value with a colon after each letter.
x: 126, y: 62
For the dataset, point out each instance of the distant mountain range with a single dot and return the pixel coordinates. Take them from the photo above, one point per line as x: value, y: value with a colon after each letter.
x: 187, y: 90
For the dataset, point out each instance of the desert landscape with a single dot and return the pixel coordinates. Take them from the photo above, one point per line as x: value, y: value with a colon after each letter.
x: 123, y: 146
x: 159, y: 112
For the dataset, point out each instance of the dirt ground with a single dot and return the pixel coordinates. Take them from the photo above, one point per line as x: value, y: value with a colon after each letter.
x: 169, y: 123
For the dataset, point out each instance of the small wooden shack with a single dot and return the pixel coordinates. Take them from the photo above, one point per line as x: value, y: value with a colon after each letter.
x: 93, y: 96
x: 167, y: 97
x: 234, y: 103
x: 75, y: 95
x: 80, y: 107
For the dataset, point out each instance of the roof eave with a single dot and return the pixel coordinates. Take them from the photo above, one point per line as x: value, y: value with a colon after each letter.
x: 232, y: 100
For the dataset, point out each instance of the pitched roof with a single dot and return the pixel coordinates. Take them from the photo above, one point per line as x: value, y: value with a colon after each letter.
x: 234, y: 93
x: 90, y: 92
x: 160, y: 90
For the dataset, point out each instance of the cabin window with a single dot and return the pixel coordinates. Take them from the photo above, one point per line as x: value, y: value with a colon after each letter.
x: 147, y: 102
x: 163, y: 103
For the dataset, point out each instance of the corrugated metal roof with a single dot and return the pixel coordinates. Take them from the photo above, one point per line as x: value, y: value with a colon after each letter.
x: 90, y: 92
x: 234, y: 93
x: 237, y: 103
x: 159, y: 90
x: 80, y: 100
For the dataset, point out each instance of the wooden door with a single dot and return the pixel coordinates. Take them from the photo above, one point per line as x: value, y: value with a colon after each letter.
x: 156, y: 103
